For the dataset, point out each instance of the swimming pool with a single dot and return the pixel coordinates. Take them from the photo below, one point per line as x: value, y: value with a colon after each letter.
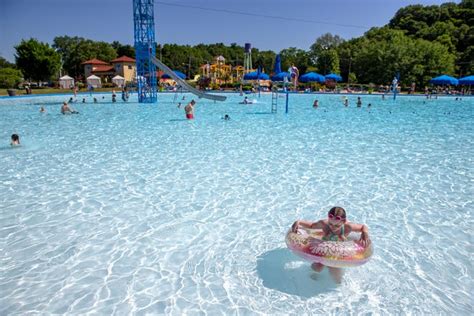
x: 129, y: 208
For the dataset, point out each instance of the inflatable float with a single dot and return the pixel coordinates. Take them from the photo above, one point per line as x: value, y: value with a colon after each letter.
x: 338, y: 254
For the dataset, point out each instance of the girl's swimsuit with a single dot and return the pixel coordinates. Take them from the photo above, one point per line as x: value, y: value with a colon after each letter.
x: 333, y: 236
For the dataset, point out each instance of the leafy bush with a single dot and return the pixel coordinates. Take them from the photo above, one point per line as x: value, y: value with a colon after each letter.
x: 204, y: 82
x: 228, y: 85
x: 10, y: 78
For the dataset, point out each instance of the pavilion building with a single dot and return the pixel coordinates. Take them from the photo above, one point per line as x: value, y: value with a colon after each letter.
x: 123, y: 66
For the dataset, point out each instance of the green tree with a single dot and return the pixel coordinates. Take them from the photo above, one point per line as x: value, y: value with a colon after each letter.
x: 383, y: 53
x: 449, y: 24
x: 264, y: 59
x: 347, y: 53
x: 76, y: 50
x: 352, y: 78
x: 176, y: 56
x: 328, y: 62
x: 6, y: 64
x: 123, y: 50
x: 319, y: 49
x: 295, y: 56
x: 10, y: 77
x: 37, y: 60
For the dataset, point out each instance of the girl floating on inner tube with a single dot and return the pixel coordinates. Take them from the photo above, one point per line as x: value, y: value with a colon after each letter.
x: 335, y: 228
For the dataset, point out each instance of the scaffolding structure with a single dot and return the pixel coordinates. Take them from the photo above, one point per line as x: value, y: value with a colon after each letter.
x: 145, y: 49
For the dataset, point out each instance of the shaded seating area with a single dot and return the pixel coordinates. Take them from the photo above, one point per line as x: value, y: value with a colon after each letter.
x: 444, y: 80
x: 281, y: 76
x: 94, y: 81
x: 312, y: 77
x: 256, y: 76
x: 469, y: 80
x: 119, y: 81
x: 66, y: 82
x: 333, y: 77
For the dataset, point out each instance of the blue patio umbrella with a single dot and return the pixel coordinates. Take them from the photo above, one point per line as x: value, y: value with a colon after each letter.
x: 281, y: 76
x: 256, y: 76
x: 333, y: 77
x: 312, y: 77
x: 444, y: 79
x: 178, y: 73
x: 469, y: 80
x: 277, y: 67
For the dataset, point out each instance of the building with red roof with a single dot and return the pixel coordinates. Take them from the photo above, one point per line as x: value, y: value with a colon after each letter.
x: 123, y: 66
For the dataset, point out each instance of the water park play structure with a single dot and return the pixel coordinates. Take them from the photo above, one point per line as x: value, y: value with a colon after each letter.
x: 145, y: 51
x: 184, y: 85
x: 221, y: 73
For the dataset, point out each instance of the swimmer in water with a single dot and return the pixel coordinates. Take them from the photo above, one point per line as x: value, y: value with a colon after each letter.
x: 335, y: 228
x: 15, y: 140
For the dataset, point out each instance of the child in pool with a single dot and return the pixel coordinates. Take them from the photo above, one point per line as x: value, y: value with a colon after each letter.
x: 346, y: 101
x: 335, y: 228
x: 15, y: 140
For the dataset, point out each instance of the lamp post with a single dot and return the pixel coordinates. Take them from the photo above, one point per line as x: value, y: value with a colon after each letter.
x: 349, y: 73
x: 60, y: 61
x: 189, y: 67
x: 325, y: 58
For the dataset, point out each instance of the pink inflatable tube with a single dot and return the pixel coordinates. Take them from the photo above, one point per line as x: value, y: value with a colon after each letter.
x: 338, y: 254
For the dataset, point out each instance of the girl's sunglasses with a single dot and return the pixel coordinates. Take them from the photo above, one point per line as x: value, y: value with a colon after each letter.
x: 337, y: 218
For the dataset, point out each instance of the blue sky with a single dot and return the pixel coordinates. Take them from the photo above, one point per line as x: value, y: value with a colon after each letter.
x: 297, y: 23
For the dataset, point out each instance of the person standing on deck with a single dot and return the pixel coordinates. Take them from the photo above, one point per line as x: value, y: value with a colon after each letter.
x: 294, y: 74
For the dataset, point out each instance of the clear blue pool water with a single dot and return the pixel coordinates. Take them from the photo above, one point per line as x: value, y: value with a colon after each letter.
x: 130, y: 209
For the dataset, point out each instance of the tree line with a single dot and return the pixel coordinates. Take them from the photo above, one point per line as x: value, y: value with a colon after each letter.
x: 417, y: 44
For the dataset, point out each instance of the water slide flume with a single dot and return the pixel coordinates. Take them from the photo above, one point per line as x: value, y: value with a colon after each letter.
x: 184, y: 84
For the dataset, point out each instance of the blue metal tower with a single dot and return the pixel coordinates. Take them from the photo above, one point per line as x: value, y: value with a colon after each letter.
x: 145, y: 48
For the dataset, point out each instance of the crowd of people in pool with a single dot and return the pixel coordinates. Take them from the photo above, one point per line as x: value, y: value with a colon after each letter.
x: 345, y: 102
x: 359, y: 101
x: 66, y: 108
x: 335, y: 228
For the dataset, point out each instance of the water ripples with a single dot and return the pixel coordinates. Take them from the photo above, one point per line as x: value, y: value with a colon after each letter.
x: 131, y: 210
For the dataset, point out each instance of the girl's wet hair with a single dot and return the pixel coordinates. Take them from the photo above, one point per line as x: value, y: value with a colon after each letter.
x: 338, y: 211
x: 15, y: 137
